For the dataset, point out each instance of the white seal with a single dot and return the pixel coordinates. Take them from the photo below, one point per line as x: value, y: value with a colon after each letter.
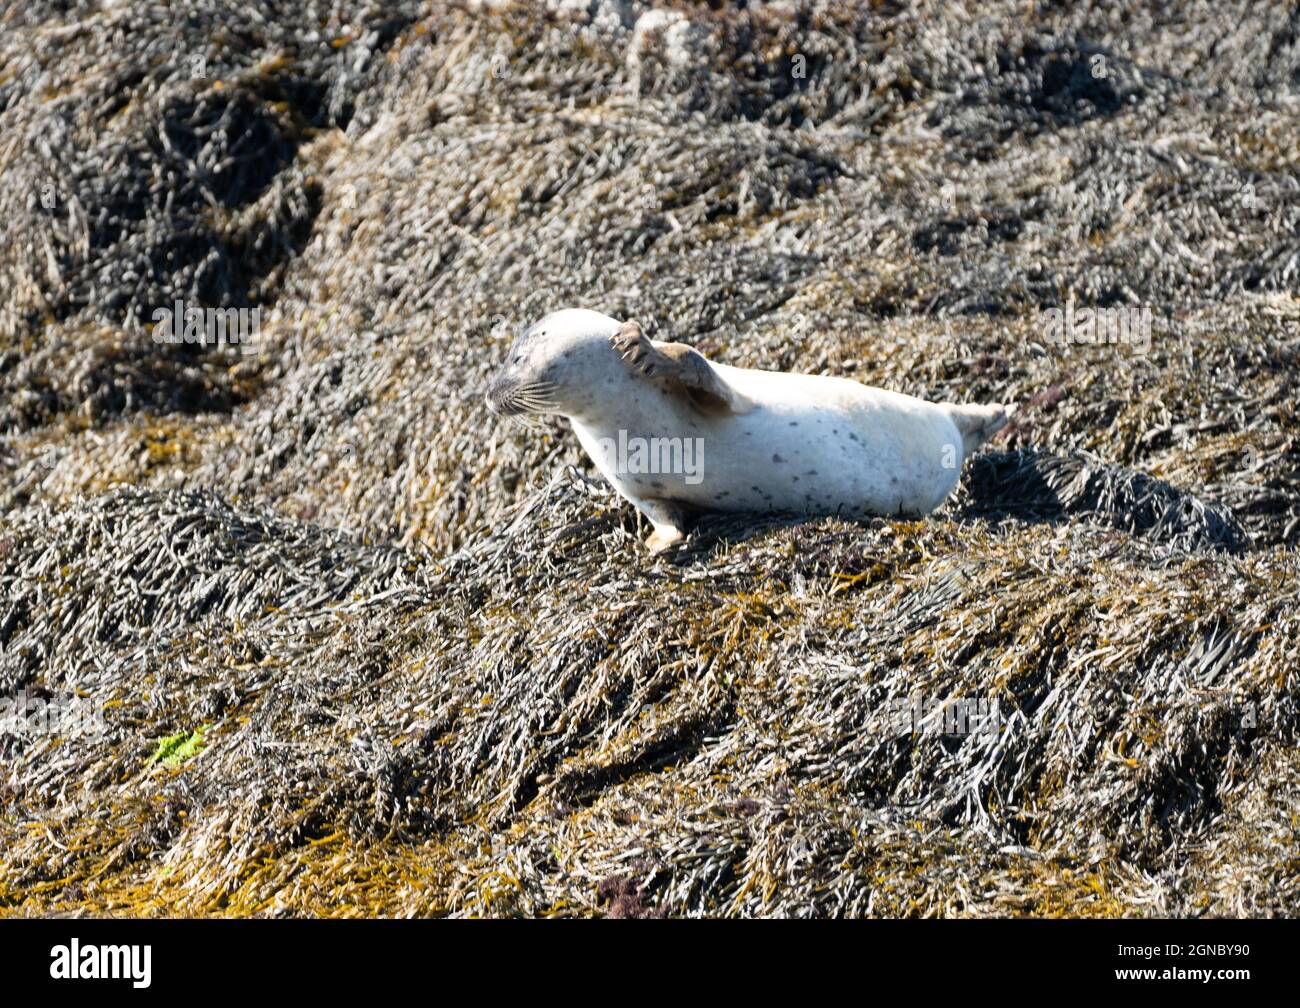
x: 675, y: 432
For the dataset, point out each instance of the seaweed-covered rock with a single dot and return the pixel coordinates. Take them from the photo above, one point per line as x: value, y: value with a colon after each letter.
x: 354, y: 647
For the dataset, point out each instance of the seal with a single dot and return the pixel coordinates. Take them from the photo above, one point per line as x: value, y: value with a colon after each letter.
x: 674, y: 432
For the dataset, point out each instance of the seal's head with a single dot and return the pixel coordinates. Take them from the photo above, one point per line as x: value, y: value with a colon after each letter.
x: 561, y: 364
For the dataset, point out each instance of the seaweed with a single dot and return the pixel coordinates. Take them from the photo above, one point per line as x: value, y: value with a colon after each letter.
x: 435, y: 670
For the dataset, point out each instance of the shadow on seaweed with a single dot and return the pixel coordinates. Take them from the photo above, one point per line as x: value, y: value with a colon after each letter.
x: 1038, y: 488
x: 1035, y: 486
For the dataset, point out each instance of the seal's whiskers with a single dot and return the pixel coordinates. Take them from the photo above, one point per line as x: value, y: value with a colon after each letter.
x: 536, y: 397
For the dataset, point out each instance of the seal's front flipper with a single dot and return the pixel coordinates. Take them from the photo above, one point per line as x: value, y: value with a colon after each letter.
x: 667, y: 520
x: 681, y: 370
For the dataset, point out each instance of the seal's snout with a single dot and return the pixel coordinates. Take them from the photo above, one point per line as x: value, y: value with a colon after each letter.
x: 509, y: 396
x: 498, y: 396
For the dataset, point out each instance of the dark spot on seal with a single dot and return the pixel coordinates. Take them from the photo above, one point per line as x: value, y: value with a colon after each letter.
x: 893, y: 479
x: 811, y: 472
x: 796, y: 479
x: 794, y: 423
x: 776, y: 457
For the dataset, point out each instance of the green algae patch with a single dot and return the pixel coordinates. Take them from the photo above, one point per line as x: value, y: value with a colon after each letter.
x: 176, y: 750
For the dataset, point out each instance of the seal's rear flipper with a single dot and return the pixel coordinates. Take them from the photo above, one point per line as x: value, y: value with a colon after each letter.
x: 681, y: 370
x: 979, y: 423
